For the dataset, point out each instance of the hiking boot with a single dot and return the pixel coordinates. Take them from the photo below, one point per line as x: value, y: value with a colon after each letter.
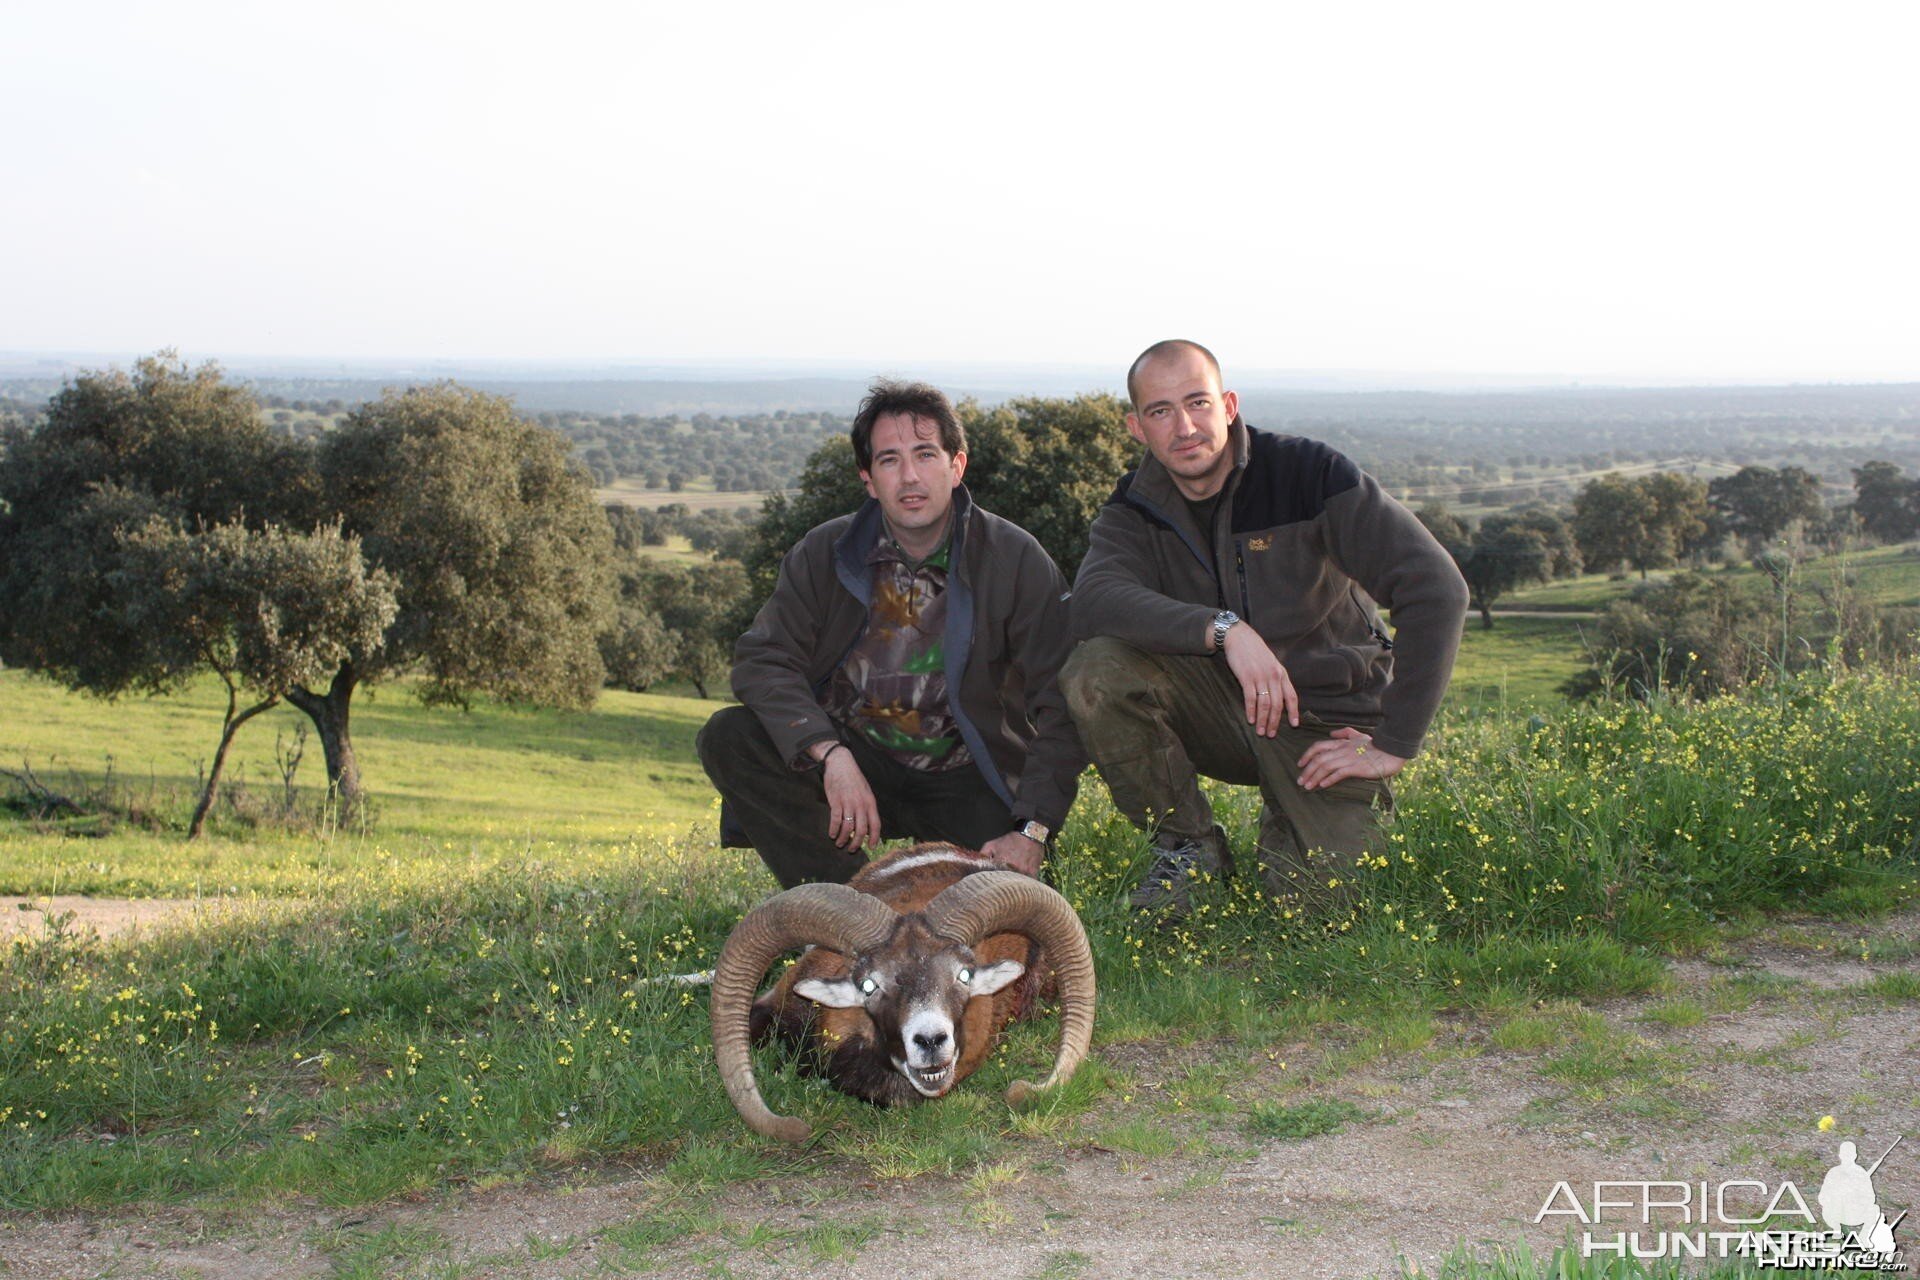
x: 1166, y: 889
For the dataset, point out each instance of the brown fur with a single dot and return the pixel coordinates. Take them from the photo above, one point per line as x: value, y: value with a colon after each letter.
x: 844, y: 1044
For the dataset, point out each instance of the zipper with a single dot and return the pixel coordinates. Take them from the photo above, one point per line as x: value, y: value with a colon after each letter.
x: 1206, y: 561
x: 1366, y: 620
x: 1240, y: 569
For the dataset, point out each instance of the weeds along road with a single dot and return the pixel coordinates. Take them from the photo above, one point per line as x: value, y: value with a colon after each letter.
x: 1449, y: 1130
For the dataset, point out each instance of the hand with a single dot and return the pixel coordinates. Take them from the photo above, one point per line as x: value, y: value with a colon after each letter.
x: 1264, y: 683
x: 1016, y: 852
x: 855, y: 822
x: 1349, y: 753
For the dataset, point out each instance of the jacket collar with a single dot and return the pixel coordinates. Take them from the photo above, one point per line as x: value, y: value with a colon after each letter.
x: 852, y: 547
x: 1158, y: 481
x: 1154, y: 489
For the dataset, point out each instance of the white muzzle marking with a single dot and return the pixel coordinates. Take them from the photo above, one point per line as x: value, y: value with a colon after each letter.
x: 927, y: 1036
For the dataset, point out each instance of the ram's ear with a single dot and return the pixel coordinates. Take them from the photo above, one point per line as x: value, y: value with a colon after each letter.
x: 990, y: 978
x: 835, y: 993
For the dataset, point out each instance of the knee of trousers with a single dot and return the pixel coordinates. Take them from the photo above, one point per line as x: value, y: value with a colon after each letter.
x: 728, y: 740
x: 1101, y: 673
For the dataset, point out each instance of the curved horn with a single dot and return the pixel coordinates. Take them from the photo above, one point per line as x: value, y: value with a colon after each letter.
x: 827, y: 915
x: 989, y: 902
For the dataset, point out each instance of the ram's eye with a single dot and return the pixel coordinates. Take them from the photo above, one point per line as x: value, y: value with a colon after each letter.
x: 869, y: 986
x: 965, y: 975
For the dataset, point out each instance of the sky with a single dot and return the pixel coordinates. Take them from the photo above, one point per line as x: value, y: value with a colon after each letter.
x: 1670, y: 191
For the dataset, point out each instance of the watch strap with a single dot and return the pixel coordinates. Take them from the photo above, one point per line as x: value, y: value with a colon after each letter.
x: 1223, y: 622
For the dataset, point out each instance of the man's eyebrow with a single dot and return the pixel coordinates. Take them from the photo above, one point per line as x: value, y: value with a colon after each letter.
x: 1203, y: 393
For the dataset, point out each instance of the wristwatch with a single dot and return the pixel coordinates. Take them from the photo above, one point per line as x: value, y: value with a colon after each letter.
x: 1223, y: 622
x: 1034, y: 831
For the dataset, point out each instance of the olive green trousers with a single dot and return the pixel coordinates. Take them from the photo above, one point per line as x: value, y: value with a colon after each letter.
x: 1156, y: 723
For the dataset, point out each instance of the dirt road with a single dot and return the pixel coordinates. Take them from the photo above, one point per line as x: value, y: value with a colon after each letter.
x: 1723, y: 1077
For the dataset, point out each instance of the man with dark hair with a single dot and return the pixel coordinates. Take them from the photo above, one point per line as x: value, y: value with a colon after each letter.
x: 902, y: 680
x: 1227, y: 624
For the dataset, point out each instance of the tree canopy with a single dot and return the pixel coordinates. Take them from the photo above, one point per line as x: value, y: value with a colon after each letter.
x: 268, y: 610
x: 1503, y: 552
x: 1886, y: 502
x: 1641, y: 522
x: 151, y: 527
x: 1758, y: 503
x: 503, y: 558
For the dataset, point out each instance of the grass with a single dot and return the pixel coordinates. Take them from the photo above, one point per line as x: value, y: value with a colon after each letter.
x: 1882, y: 575
x: 1063, y: 1264
x: 1299, y: 1121
x: 393, y: 1016
x: 449, y: 787
x: 1679, y: 1012
x: 1520, y: 663
x: 380, y: 1254
x: 698, y: 496
x: 676, y: 550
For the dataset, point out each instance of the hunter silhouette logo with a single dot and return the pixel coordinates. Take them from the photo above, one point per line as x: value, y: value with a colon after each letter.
x: 1773, y: 1226
x: 1848, y: 1206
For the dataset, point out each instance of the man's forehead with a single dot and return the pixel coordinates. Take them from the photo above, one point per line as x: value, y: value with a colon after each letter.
x: 1177, y: 375
x: 918, y: 427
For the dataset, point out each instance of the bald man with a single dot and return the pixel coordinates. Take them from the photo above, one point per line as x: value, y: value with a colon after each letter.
x: 1227, y: 627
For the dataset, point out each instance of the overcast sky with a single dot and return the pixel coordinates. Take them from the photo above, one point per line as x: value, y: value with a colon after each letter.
x: 1618, y: 190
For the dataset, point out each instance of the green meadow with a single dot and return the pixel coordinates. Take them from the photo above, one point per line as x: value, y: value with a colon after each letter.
x: 1881, y: 575
x: 478, y: 786
x: 1521, y: 662
x: 461, y: 995
x: 491, y: 784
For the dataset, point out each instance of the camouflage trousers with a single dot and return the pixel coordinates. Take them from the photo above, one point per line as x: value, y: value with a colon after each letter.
x: 1156, y: 723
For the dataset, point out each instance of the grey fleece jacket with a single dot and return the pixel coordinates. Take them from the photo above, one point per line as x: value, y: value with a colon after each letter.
x: 1301, y: 539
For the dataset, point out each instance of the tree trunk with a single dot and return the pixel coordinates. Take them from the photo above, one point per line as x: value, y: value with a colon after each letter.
x: 1486, y: 615
x: 330, y: 713
x: 231, y: 727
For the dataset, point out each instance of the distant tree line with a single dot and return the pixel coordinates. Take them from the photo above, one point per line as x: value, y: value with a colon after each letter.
x: 721, y: 532
x: 730, y: 454
x: 154, y: 526
x: 1620, y: 523
x: 734, y: 454
x: 1691, y: 630
x: 1509, y: 448
x: 1466, y: 450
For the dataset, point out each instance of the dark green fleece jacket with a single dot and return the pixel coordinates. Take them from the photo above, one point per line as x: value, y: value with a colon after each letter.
x: 1301, y: 539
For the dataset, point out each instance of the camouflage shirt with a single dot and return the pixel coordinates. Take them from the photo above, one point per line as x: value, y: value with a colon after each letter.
x: 892, y: 686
